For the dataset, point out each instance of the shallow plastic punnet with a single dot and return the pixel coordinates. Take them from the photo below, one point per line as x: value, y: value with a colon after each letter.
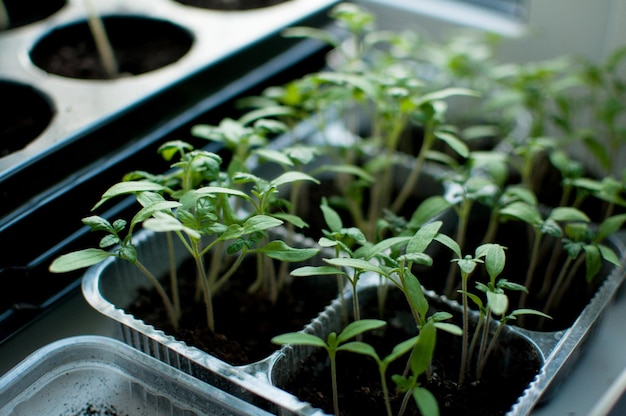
x: 100, y: 375
x: 112, y: 285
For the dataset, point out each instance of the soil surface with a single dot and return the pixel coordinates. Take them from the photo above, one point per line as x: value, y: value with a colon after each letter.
x: 23, y: 12
x: 140, y: 45
x: 512, y: 367
x: 25, y: 119
x: 245, y: 323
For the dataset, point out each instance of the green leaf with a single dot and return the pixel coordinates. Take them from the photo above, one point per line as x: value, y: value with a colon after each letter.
x: 568, y: 214
x: 415, y: 295
x: 427, y: 210
x: 418, y: 258
x: 523, y: 311
x: 349, y: 169
x: 259, y: 223
x: 423, y: 237
x: 446, y: 93
x: 593, y: 261
x: 400, y: 349
x: 358, y: 327
x: 360, y: 348
x: 426, y: 402
x: 130, y: 187
x: 272, y: 155
x: 299, y: 338
x: 450, y: 243
x: 79, y: 260
x: 290, y: 218
x: 454, y: 142
x: 313, y: 33
x: 610, y: 226
x: 317, y: 271
x: 97, y: 223
x: 449, y: 328
x: 522, y: 211
x: 370, y: 252
x: 358, y: 264
x: 609, y: 255
x: 333, y: 220
x: 108, y: 241
x: 495, y: 259
x: 279, y: 250
x: 424, y: 347
x: 497, y: 302
x: 293, y: 176
x: 166, y: 223
x: 149, y: 210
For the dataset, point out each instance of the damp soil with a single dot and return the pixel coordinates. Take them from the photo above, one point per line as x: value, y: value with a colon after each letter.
x: 511, y: 368
x: 25, y: 119
x: 244, y: 322
x: 24, y: 12
x: 91, y: 409
x: 139, y: 44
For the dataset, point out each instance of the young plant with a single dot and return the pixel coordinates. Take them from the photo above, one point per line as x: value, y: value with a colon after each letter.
x: 582, y: 243
x: 540, y: 226
x: 419, y: 364
x: 497, y: 305
x: 334, y: 343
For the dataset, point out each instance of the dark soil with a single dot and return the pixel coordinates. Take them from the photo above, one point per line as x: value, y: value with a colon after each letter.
x: 23, y: 12
x: 245, y: 323
x: 25, y: 119
x: 231, y: 4
x: 140, y: 45
x: 512, y: 367
x: 94, y: 410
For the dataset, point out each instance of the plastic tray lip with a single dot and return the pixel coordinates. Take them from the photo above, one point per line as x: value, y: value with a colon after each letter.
x: 105, y: 354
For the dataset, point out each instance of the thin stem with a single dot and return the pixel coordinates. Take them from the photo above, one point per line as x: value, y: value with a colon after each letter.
x: 463, y: 214
x: 483, y: 343
x: 383, y: 383
x: 105, y: 50
x: 565, y: 279
x: 333, y: 375
x: 465, y: 341
x: 492, y: 228
x: 224, y: 278
x: 206, y: 287
x: 492, y: 344
x: 171, y: 313
x: 405, y: 402
x: 412, y: 181
x: 530, y: 272
x: 173, y: 274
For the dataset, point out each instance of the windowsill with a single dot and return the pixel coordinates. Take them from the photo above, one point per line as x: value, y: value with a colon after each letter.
x: 460, y: 14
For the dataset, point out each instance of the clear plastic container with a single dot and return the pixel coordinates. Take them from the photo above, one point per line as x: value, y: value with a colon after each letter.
x: 94, y: 375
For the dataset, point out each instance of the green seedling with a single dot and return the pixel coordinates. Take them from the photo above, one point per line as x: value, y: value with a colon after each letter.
x: 419, y: 364
x: 497, y: 304
x: 549, y: 226
x: 583, y: 244
x: 332, y: 345
x: 464, y: 190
